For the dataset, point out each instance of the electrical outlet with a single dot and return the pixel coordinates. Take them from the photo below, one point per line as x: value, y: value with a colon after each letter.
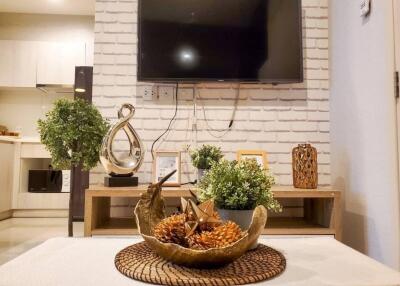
x: 166, y: 93
x: 150, y: 92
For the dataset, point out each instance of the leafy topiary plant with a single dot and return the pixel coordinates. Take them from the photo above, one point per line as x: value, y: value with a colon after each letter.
x: 73, y: 132
x: 203, y: 157
x: 238, y: 186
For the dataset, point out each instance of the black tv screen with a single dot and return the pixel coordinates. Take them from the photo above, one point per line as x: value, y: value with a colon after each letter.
x: 220, y: 40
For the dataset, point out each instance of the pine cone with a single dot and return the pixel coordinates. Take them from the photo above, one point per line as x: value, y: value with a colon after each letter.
x: 200, y: 241
x: 171, y: 229
x: 220, y: 236
x: 226, y: 234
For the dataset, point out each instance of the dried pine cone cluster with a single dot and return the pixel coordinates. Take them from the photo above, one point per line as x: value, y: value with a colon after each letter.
x: 220, y: 236
x: 172, y: 230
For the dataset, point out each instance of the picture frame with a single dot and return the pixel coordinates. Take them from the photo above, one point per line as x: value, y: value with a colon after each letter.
x: 259, y: 155
x: 165, y: 162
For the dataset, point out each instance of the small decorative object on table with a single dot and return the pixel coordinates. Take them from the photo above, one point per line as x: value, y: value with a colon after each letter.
x: 165, y: 162
x: 196, y: 238
x: 204, y: 157
x: 3, y: 129
x: 121, y: 171
x: 4, y: 132
x: 10, y: 134
x: 237, y: 189
x: 259, y: 155
x: 198, y: 227
x: 305, y: 167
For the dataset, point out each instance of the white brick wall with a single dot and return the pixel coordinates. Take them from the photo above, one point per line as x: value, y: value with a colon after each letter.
x: 271, y: 118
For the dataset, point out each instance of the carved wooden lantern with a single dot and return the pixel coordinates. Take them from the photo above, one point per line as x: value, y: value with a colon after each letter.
x: 305, y: 167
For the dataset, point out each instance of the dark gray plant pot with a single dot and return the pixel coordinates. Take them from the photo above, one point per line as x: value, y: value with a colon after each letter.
x: 200, y: 174
x: 241, y: 217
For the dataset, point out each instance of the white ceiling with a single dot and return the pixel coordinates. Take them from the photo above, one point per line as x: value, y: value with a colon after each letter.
x: 66, y: 7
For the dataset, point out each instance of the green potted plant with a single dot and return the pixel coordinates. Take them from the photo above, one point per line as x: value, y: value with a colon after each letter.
x: 204, y: 157
x: 73, y: 132
x: 237, y: 188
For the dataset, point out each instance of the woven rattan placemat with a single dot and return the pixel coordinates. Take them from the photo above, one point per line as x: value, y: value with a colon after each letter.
x: 139, y: 262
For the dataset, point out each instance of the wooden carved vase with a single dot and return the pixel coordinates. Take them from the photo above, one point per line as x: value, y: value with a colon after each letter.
x: 305, y: 167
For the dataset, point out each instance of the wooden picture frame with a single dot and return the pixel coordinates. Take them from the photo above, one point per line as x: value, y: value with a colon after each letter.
x: 259, y: 155
x: 164, y: 162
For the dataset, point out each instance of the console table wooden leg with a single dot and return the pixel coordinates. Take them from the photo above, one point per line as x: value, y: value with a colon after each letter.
x: 338, y: 217
x: 88, y: 215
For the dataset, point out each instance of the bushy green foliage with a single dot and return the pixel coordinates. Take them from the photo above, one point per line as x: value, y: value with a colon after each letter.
x: 238, y: 186
x: 73, y: 132
x: 203, y: 157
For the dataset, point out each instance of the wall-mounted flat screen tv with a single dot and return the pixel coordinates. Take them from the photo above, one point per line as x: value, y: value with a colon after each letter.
x: 220, y: 40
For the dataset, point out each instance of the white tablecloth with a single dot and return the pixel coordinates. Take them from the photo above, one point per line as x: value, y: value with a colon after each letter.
x: 90, y: 262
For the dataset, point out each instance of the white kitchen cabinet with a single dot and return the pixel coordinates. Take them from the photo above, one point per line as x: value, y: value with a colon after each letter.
x: 24, y: 63
x: 34, y: 150
x: 6, y: 177
x: 6, y: 63
x: 18, y: 156
x: 27, y: 63
x: 57, y: 60
x: 18, y: 63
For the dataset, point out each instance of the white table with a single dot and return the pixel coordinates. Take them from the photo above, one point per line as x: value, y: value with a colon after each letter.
x: 90, y: 262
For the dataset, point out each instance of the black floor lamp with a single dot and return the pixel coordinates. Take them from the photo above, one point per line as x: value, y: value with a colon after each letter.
x: 79, y: 179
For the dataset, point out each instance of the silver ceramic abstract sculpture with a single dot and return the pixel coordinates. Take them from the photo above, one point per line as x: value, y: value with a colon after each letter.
x: 125, y: 167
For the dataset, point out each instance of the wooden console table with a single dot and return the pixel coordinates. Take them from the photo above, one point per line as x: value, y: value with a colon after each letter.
x: 320, y: 214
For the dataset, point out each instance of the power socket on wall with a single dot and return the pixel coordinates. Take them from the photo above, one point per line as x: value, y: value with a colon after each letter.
x: 166, y: 93
x: 158, y: 92
x: 150, y: 92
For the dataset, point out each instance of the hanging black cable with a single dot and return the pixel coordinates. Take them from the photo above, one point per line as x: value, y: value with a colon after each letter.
x: 170, y: 123
x: 222, y: 132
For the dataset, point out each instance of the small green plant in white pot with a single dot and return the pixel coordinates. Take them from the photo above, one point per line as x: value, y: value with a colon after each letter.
x: 204, y: 157
x: 237, y: 188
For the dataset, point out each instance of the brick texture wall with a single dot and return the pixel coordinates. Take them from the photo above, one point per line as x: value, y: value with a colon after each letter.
x: 272, y: 118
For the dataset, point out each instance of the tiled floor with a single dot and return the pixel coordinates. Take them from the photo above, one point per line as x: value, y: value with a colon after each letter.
x: 18, y: 235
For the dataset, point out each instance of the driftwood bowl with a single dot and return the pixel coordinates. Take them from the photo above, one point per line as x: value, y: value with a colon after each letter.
x: 150, y: 211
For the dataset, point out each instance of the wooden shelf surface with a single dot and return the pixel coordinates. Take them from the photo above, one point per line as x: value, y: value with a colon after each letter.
x: 186, y: 191
x: 299, y: 231
x: 117, y: 226
x: 294, y: 225
x: 275, y: 226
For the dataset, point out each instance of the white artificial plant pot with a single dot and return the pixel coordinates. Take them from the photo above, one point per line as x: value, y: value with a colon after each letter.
x: 200, y: 174
x: 241, y: 217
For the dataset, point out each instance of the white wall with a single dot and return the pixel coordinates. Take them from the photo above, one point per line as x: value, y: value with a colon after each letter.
x: 271, y: 118
x: 363, y: 127
x: 20, y: 109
